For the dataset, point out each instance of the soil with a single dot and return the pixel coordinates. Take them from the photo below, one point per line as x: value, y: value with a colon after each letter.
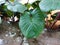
x: 11, y: 35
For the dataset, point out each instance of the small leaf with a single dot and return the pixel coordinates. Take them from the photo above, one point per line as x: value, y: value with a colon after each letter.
x: 32, y: 24
x: 48, y: 5
x: 16, y: 7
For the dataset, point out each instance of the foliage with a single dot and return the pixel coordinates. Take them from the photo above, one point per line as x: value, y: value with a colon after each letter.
x: 32, y: 15
x: 16, y: 7
x: 48, y: 5
x: 32, y: 24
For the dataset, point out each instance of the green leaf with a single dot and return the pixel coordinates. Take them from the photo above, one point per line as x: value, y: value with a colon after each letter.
x: 48, y: 5
x: 9, y: 13
x: 32, y: 24
x: 16, y: 7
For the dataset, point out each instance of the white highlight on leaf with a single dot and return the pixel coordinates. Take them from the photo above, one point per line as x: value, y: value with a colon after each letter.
x: 2, y: 1
x: 25, y: 1
x: 31, y: 1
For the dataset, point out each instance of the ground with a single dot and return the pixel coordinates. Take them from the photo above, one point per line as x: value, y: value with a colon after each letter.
x: 11, y: 35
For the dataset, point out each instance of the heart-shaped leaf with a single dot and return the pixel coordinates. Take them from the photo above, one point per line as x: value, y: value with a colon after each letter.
x: 32, y: 24
x: 48, y: 5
